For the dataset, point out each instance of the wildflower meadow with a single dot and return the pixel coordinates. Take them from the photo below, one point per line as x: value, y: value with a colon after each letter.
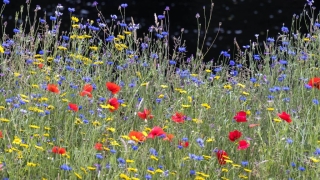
x: 100, y: 102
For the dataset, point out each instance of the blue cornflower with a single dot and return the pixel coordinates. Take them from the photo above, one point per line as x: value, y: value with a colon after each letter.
x: 134, y: 147
x: 192, y: 172
x: 6, y: 1
x: 150, y: 168
x: 200, y: 142
x: 71, y: 9
x: 121, y: 161
x: 164, y: 33
x: 232, y: 63
x: 182, y: 49
x: 53, y: 18
x: 234, y: 73
x: 286, y: 99
x: 293, y: 164
x: 65, y: 167
x: 172, y: 62
x: 218, y: 69
x: 110, y: 38
x: 108, y: 166
x: 15, y: 30
x: 148, y: 176
x: 285, y: 88
x: 289, y: 141
x: 144, y: 45
x: 270, y: 39
x: 317, y: 152
x: 99, y: 156
x: 302, y: 168
x: 307, y: 86
x: 283, y: 62
x: 113, y: 17
x: 153, y: 151
x: 123, y: 24
x: 161, y: 17
x: 124, y: 5
x: 284, y: 29
x: 113, y: 151
x: 244, y: 163
x: 256, y: 57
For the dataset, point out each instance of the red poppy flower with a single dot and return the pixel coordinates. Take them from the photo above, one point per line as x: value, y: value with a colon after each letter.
x: 40, y: 66
x: 168, y: 137
x: 234, y: 135
x: 136, y: 136
x: 1, y: 135
x: 241, y: 116
x: 146, y: 114
x: 178, y: 117
x: 314, y: 82
x: 243, y: 145
x: 73, y: 107
x: 58, y: 150
x: 114, y: 88
x: 156, y: 131
x: 86, y: 93
x: 184, y: 144
x: 114, y: 103
x: 53, y: 88
x: 87, y: 89
x: 285, y: 117
x: 222, y: 156
x: 98, y: 146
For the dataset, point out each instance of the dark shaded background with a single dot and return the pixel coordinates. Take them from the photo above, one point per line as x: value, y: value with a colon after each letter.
x: 240, y: 18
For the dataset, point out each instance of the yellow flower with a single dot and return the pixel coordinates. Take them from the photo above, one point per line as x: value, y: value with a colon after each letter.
x: 120, y: 36
x: 185, y: 105
x: 236, y: 165
x: 241, y: 85
x: 130, y: 161
x: 16, y: 140
x: 206, y: 105
x: 111, y: 129
x: 270, y: 109
x: 161, y: 96
x: 217, y: 77
x: 39, y: 147
x: 1, y: 50
x: 208, y: 70
x: 199, y: 178
x: 243, y: 176
x: 153, y: 158
x: 30, y: 164
x: 151, y: 172
x: 144, y: 84
x: 159, y: 171
x: 91, y: 168
x: 62, y: 48
x: 94, y: 48
x: 16, y: 74
x: 224, y: 170
x: 194, y: 75
x: 77, y: 175
x: 74, y: 19
x: 313, y: 159
x: 2, y: 108
x: 123, y: 176
x: 248, y: 170
x: 210, y: 140
x: 127, y: 32
x: 132, y: 169
x: 245, y: 93
x: 34, y: 126
x: 163, y: 86
x: 227, y: 86
x: 4, y: 120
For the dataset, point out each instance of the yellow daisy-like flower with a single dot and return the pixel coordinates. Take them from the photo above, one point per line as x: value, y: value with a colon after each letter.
x: 1, y: 50
x: 74, y: 19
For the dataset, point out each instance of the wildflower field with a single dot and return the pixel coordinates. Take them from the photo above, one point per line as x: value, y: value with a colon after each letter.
x: 99, y: 102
